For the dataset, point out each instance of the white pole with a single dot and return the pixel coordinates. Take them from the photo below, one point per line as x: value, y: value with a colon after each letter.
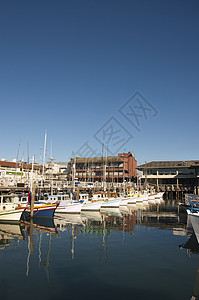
x: 74, y: 173
x: 44, y: 154
x: 33, y: 159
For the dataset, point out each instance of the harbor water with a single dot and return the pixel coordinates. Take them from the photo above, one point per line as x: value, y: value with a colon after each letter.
x: 143, y: 253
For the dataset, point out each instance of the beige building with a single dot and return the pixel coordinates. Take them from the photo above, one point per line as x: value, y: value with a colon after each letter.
x: 179, y: 174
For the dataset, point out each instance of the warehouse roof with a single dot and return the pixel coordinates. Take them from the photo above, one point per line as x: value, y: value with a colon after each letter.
x: 170, y: 164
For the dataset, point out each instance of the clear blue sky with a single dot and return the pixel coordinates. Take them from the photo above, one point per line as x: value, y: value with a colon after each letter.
x: 70, y: 67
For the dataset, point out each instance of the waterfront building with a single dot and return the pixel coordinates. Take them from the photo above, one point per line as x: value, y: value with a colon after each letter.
x: 12, y: 172
x: 113, y: 169
x: 176, y: 174
x: 56, y: 170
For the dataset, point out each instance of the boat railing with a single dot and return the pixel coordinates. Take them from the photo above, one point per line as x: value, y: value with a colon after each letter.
x: 194, y: 205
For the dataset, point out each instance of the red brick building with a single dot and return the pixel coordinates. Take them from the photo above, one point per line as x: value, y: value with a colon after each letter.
x: 111, y: 168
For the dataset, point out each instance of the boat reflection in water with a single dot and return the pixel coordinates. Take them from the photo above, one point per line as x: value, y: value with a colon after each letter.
x: 39, y: 225
x: 10, y: 233
x: 104, y: 254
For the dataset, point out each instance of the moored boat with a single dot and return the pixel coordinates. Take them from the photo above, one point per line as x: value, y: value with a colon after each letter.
x: 41, y: 211
x: 71, y: 208
x: 92, y: 206
x: 112, y: 203
x: 193, y: 215
x: 10, y: 211
x: 124, y: 202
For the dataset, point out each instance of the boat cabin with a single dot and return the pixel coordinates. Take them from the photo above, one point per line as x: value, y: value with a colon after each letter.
x: 58, y: 198
x: 83, y: 197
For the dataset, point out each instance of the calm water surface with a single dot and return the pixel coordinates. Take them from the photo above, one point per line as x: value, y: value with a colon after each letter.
x: 146, y: 253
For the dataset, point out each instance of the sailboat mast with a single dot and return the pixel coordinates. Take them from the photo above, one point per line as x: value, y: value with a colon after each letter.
x: 51, y: 163
x: 21, y: 169
x: 44, y: 154
x: 28, y: 159
x: 33, y: 160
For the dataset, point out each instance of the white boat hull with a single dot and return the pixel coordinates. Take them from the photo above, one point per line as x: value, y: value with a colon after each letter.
x: 132, y: 200
x: 11, y: 215
x: 124, y: 202
x: 74, y: 208
x: 194, y: 219
x: 93, y: 206
x: 111, y: 204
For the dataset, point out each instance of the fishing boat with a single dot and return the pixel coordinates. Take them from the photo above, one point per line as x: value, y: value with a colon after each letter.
x: 40, y: 210
x: 92, y: 206
x: 10, y: 211
x: 95, y: 202
x: 124, y: 201
x: 138, y: 199
x: 56, y: 198
x: 21, y: 200
x: 70, y: 208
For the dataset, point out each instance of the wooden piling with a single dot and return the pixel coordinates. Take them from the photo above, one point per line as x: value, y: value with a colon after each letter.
x: 77, y: 195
